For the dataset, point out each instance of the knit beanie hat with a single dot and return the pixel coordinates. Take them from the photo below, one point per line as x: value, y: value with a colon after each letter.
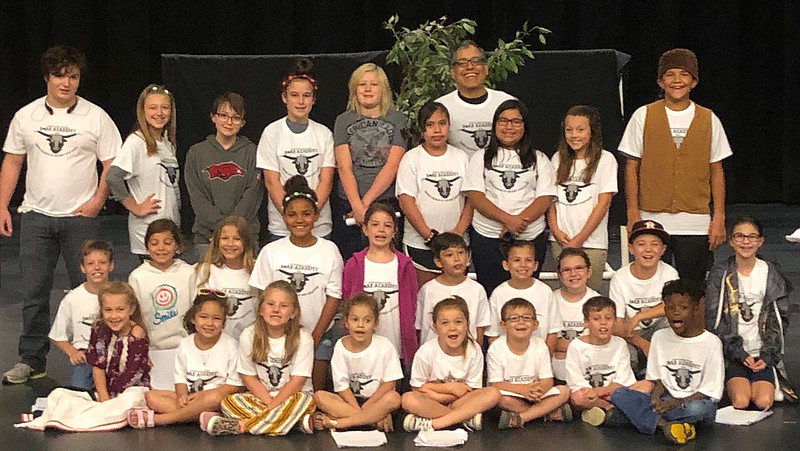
x: 678, y: 58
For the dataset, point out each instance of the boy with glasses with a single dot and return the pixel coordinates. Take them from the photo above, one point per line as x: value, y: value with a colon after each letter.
x: 472, y: 104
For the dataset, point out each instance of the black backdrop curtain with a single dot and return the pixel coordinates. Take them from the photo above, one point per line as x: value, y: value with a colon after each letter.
x: 748, y: 54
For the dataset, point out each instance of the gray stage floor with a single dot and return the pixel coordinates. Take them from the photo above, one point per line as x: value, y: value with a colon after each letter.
x: 776, y: 432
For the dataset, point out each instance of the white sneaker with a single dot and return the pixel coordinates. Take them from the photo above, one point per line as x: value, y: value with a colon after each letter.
x: 475, y: 423
x: 21, y: 373
x: 412, y: 423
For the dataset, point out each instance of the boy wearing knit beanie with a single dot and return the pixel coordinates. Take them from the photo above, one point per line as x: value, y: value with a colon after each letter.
x: 674, y: 170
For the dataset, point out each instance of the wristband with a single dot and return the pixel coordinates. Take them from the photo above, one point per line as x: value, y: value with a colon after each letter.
x: 433, y: 234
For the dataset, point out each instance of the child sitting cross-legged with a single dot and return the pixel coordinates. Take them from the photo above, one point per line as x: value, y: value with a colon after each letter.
x: 686, y: 366
x: 518, y: 364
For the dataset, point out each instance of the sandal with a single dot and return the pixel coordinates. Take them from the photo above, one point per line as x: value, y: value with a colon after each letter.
x: 323, y: 422
x: 205, y: 417
x: 141, y: 418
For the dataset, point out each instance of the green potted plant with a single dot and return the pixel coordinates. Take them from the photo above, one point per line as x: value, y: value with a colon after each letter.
x: 423, y: 59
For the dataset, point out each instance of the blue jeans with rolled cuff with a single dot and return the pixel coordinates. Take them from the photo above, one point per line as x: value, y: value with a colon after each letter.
x: 639, y: 410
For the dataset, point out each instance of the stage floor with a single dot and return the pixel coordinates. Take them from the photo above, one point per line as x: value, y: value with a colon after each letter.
x: 776, y: 432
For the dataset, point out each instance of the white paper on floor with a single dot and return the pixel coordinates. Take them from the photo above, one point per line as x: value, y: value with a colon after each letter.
x: 358, y: 439
x: 729, y: 415
x: 441, y: 439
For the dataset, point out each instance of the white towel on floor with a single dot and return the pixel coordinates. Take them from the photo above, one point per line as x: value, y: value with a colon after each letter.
x: 441, y: 439
x: 358, y: 439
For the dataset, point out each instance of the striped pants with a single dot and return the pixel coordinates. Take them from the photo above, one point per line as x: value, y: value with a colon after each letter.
x: 258, y: 419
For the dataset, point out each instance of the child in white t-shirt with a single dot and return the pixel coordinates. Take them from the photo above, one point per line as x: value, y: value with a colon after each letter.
x: 520, y: 261
x: 365, y: 370
x: 78, y: 310
x: 451, y: 255
x: 518, y: 364
x: 636, y: 289
x: 311, y: 264
x: 205, y: 368
x: 144, y: 176
x: 686, y: 366
x: 276, y: 356
x: 447, y: 375
x: 226, y: 266
x: 598, y: 364
x: 428, y: 188
x: 586, y: 180
x: 574, y: 271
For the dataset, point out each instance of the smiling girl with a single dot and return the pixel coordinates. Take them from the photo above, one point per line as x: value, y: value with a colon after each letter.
x: 144, y: 175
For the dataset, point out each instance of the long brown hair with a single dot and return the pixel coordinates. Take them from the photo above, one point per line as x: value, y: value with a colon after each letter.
x: 141, y: 123
x: 458, y: 303
x: 122, y: 288
x: 213, y: 256
x: 566, y: 156
x: 260, y: 349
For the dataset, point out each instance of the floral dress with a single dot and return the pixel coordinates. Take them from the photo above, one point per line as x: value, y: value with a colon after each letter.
x: 125, y: 359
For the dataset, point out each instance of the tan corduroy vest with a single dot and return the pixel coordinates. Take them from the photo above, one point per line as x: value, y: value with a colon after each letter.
x: 675, y: 179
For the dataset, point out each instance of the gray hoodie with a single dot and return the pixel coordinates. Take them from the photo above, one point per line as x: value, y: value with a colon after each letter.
x: 222, y: 183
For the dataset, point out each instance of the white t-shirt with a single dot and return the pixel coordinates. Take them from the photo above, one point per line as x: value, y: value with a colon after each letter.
x: 571, y: 314
x: 752, y: 289
x: 435, y: 183
x: 633, y: 295
x: 543, y: 300
x: 76, y: 314
x: 314, y: 271
x: 432, y: 364
x: 165, y: 297
x: 362, y: 372
x: 380, y: 280
x: 502, y: 365
x: 242, y: 298
x: 470, y: 124
x: 687, y: 365
x: 576, y: 199
x: 434, y: 291
x: 510, y: 187
x: 679, y: 121
x: 207, y: 369
x: 273, y: 372
x: 61, y: 151
x: 145, y: 175
x: 593, y: 366
x: 288, y: 153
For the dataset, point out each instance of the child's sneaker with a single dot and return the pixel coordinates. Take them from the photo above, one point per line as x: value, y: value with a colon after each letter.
x: 21, y: 373
x: 475, y: 423
x: 306, y: 423
x: 510, y: 420
x: 594, y: 416
x: 412, y: 423
x: 205, y: 417
x: 563, y: 414
x: 615, y: 418
x: 220, y: 425
x: 679, y: 433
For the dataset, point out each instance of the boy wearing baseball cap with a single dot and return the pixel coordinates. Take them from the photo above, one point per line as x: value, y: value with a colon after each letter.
x: 674, y: 170
x: 636, y: 289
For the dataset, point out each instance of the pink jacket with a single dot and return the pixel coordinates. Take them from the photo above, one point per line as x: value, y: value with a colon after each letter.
x: 353, y: 283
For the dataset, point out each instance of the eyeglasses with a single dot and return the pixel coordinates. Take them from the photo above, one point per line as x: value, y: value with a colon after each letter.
x: 519, y: 318
x: 516, y: 122
x: 740, y: 237
x: 464, y: 62
x: 225, y: 117
x: 212, y: 292
x: 579, y: 268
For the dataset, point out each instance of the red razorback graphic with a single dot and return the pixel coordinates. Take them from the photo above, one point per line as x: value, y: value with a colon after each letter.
x: 224, y: 171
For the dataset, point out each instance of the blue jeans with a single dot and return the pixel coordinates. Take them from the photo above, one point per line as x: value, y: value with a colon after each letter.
x: 488, y: 259
x: 82, y: 377
x: 41, y: 240
x: 638, y: 408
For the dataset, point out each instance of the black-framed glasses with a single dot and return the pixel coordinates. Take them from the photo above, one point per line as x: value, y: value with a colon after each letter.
x: 516, y: 122
x: 464, y: 62
x: 225, y: 117
x: 741, y: 237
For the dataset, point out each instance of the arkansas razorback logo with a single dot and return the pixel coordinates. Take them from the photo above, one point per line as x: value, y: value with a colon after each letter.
x: 224, y: 171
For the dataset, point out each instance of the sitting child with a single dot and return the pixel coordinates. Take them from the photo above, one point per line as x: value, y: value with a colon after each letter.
x: 686, y: 365
x: 78, y: 311
x: 518, y: 364
x: 447, y: 375
x: 205, y: 367
x: 365, y: 369
x: 597, y: 364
